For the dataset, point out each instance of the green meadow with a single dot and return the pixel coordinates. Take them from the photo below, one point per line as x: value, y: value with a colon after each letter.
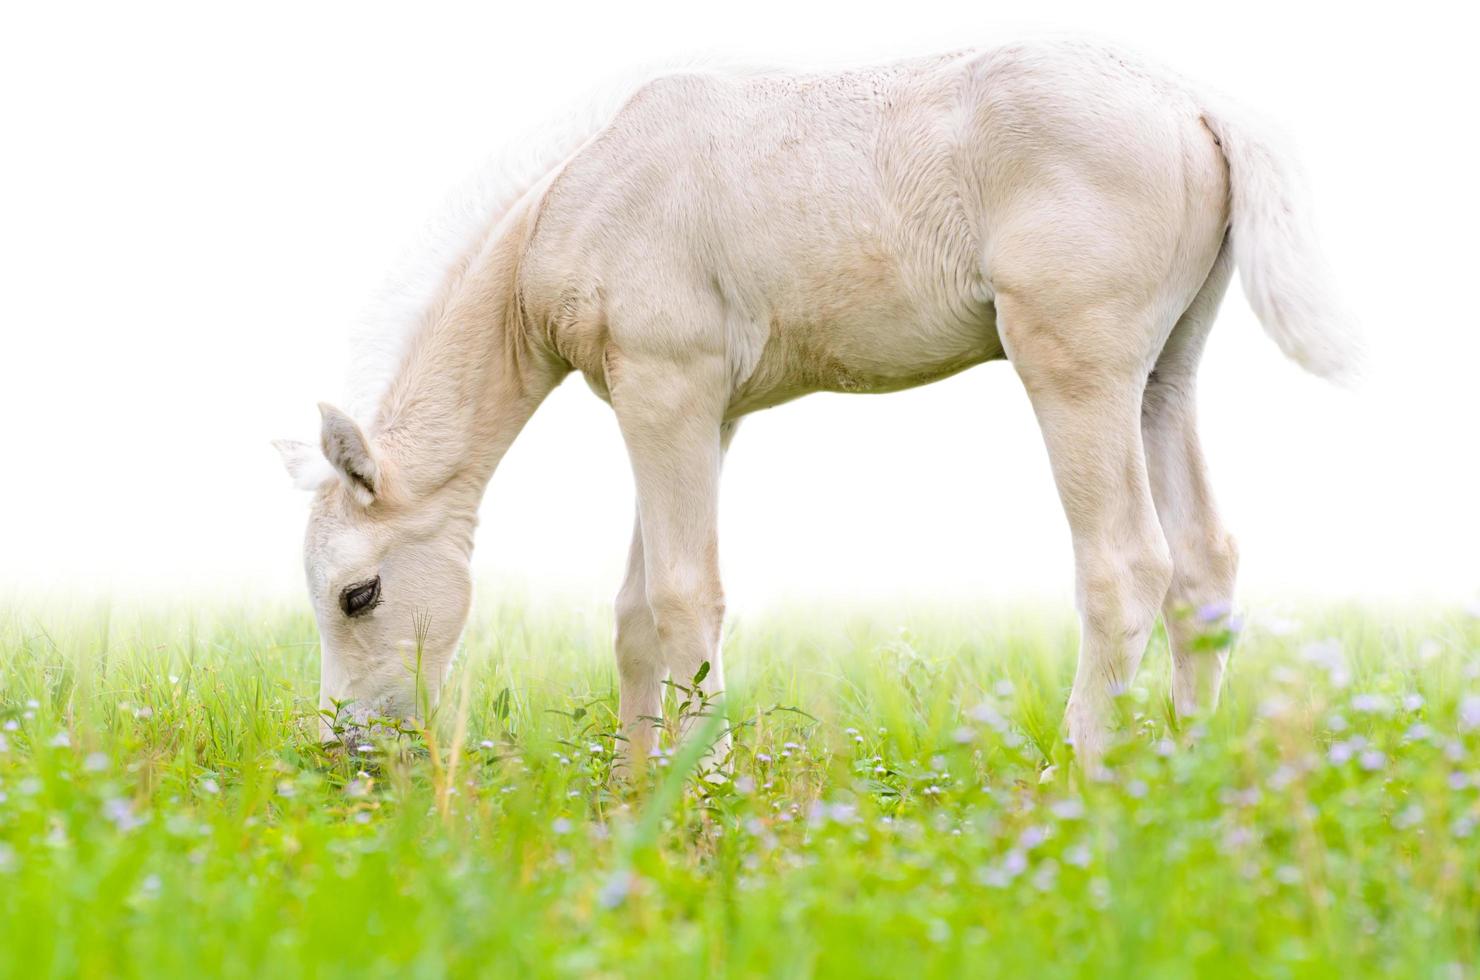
x: 899, y: 802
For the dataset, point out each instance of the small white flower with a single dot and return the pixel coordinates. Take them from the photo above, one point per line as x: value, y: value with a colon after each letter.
x: 1328, y: 655
x: 209, y: 785
x: 1409, y: 816
x: 1282, y: 777
x: 1214, y: 612
x: 1280, y: 625
x: 987, y: 714
x: 1031, y: 837
x: 1238, y: 838
x: 95, y: 762
x: 561, y: 825
x: 1079, y: 855
x: 1372, y: 760
x: 1469, y: 712
x: 1285, y: 675
x: 61, y: 740
x: 618, y: 886
x: 121, y: 813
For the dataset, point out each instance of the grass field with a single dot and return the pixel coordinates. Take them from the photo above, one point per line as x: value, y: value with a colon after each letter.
x: 900, y: 804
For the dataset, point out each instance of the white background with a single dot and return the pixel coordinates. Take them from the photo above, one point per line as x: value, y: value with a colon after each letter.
x: 197, y: 201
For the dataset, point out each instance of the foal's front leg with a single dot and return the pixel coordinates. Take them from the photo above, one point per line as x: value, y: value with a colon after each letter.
x: 671, y: 416
x: 640, y: 668
x: 640, y: 664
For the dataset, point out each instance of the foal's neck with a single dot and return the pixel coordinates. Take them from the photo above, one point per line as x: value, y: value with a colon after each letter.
x: 471, y: 379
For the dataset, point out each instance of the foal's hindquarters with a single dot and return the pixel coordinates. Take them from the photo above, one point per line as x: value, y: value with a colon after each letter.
x: 1107, y: 257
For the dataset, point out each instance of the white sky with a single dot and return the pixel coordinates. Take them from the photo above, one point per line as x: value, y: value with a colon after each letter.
x: 197, y: 201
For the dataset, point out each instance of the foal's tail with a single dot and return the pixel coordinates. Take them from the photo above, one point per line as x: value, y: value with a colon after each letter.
x: 1285, y: 277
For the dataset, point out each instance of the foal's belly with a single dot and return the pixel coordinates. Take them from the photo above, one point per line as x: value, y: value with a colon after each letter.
x: 864, y: 356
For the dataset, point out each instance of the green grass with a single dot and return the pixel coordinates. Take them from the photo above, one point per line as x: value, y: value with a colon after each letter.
x: 164, y: 810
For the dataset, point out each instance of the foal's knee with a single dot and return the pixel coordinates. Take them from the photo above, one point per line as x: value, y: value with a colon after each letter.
x: 636, y: 637
x: 685, y: 605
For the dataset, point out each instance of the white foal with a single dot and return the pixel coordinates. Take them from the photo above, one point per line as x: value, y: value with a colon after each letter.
x: 729, y: 241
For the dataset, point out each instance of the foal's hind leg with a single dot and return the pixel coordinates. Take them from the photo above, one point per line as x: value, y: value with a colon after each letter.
x: 1204, y: 559
x: 1084, y: 372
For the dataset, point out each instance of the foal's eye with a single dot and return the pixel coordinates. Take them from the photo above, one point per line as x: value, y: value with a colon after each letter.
x: 361, y: 598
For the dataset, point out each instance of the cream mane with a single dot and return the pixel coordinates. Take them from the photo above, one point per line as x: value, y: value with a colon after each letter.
x: 427, y: 274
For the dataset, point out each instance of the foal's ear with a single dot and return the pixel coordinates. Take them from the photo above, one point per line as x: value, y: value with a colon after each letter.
x: 305, y: 464
x: 347, y: 450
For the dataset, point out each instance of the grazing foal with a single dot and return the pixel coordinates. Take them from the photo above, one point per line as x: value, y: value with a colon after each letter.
x: 728, y: 241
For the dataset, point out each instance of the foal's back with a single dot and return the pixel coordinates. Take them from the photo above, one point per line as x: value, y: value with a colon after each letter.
x: 852, y: 231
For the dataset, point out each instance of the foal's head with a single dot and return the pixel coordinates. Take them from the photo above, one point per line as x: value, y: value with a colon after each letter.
x: 388, y: 576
